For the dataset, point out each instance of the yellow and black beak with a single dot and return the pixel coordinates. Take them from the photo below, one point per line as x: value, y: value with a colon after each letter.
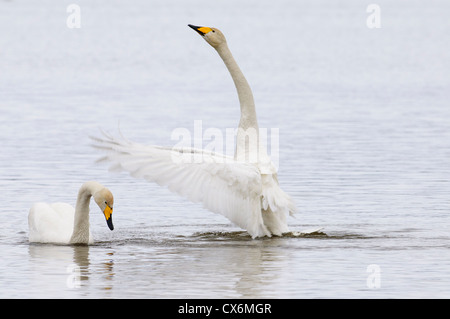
x: 201, y: 30
x: 108, y: 215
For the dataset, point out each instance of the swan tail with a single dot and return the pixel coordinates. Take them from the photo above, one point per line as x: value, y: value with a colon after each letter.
x: 276, y: 205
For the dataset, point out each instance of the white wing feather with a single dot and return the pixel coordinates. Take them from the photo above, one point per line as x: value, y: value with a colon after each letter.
x: 223, y: 185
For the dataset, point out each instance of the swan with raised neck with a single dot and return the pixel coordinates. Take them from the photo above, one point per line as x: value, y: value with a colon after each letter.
x: 248, y: 124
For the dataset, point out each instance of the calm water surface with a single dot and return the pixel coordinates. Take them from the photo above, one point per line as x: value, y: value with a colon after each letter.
x: 364, y: 123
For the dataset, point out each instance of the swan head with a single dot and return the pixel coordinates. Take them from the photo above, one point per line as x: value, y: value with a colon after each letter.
x: 105, y: 200
x: 211, y: 35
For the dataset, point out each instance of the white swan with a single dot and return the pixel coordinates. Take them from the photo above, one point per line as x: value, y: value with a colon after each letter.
x: 244, y: 188
x: 60, y: 223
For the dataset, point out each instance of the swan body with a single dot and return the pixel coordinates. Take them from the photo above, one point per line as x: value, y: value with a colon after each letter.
x: 60, y: 223
x: 243, y: 188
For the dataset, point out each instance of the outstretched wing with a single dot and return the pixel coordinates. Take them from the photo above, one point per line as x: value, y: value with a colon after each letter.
x: 222, y: 184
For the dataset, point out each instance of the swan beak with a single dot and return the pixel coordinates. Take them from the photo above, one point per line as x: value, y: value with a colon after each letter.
x: 108, y: 214
x: 201, y: 30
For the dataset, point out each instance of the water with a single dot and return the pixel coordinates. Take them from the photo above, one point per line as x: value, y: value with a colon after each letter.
x: 364, y: 125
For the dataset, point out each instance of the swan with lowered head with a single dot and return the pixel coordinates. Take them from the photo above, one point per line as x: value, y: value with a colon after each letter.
x: 60, y: 223
x: 244, y: 189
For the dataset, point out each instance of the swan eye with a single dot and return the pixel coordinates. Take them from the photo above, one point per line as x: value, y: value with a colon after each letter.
x: 213, y: 31
x: 106, y: 202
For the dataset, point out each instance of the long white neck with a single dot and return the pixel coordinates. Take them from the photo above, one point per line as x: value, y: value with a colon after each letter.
x: 248, y: 113
x: 80, y: 233
x: 247, y: 140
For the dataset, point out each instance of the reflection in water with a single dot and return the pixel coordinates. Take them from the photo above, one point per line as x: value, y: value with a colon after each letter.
x: 211, y: 264
x: 193, y: 268
x: 108, y: 271
x: 225, y: 264
x: 66, y: 268
x: 81, y: 260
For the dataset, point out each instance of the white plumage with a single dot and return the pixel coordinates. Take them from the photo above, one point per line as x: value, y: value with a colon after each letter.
x: 51, y: 223
x: 234, y: 189
x: 244, y: 191
x: 60, y: 223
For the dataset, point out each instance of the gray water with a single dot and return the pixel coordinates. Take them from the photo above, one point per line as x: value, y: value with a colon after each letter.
x: 363, y: 116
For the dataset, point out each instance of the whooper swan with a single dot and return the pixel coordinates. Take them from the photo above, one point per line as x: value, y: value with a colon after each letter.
x: 244, y: 188
x: 60, y: 223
